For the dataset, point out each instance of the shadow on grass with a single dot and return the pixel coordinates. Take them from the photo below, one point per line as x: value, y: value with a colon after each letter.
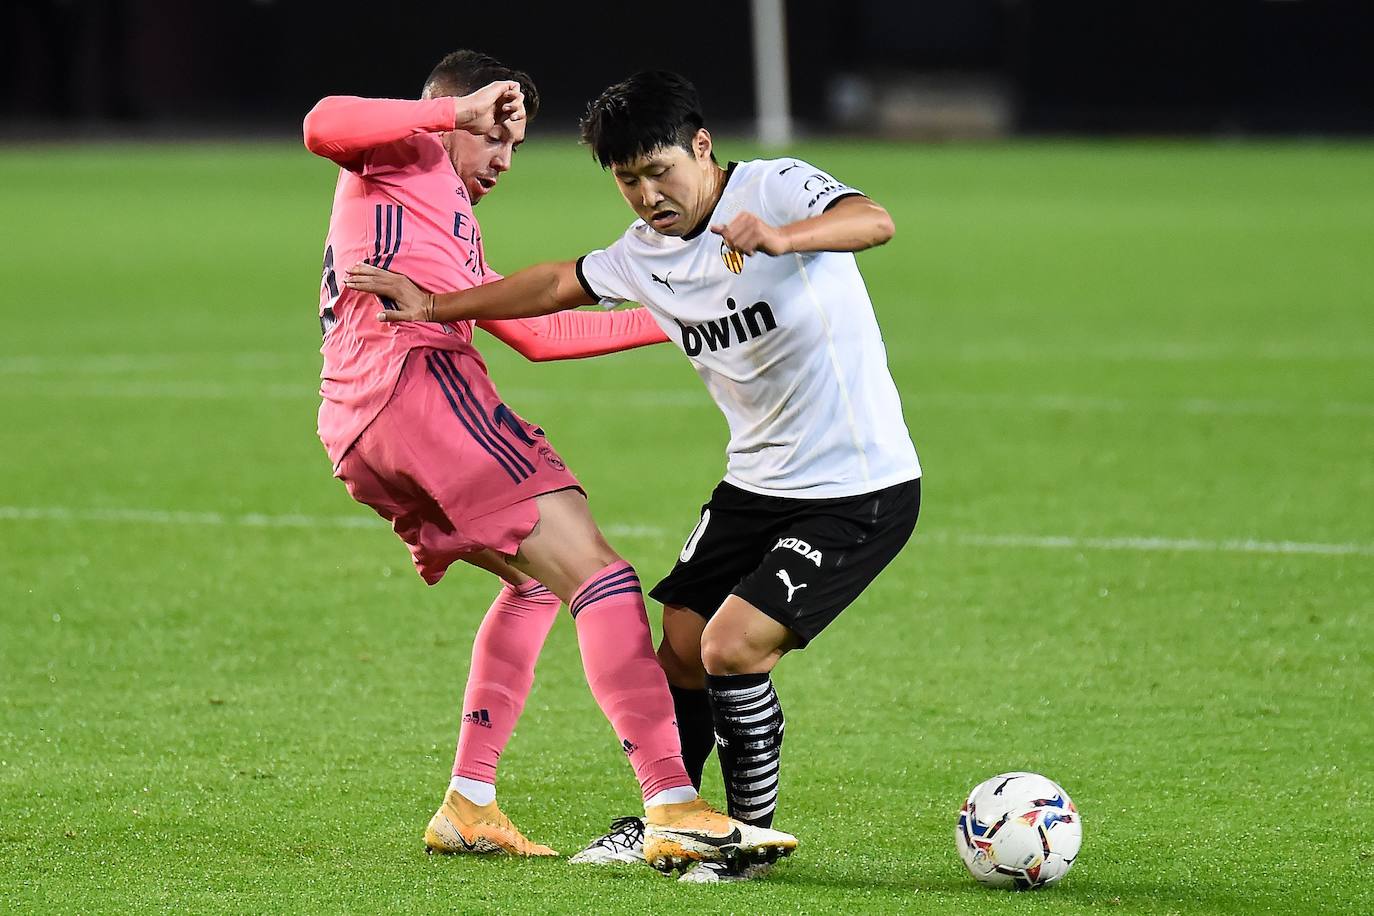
x: 1129, y: 895
x: 953, y: 892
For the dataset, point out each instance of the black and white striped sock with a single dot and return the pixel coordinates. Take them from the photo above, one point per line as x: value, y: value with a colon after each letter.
x: 749, y: 726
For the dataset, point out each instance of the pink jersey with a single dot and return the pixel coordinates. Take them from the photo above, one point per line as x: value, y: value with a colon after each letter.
x: 398, y: 204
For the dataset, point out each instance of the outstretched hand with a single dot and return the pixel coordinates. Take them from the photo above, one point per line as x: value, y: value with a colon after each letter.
x: 495, y: 103
x: 748, y: 234
x: 412, y: 303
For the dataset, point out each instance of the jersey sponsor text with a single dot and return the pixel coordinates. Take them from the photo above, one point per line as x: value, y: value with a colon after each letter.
x: 736, y: 327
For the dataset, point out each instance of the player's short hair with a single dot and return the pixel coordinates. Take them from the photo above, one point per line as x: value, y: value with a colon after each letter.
x: 648, y: 111
x: 467, y: 71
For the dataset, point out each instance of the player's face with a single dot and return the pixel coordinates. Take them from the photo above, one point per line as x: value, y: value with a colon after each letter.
x: 671, y: 188
x: 481, y: 160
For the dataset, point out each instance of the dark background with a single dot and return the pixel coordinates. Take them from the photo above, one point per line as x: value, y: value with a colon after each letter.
x: 1108, y: 66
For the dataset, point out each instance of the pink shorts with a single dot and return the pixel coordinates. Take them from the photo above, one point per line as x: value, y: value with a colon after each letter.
x: 452, y: 468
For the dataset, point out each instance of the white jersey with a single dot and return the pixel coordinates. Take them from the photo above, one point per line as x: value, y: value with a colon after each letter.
x: 788, y: 346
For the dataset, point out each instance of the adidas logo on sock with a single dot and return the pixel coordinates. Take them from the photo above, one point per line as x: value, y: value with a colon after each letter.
x: 479, y: 717
x: 630, y: 746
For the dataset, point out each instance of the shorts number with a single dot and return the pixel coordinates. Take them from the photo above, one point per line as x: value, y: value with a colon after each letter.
x: 506, y: 417
x: 330, y: 283
x: 691, y: 546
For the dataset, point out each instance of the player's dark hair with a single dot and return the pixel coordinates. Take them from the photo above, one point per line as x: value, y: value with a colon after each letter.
x: 648, y: 111
x: 467, y: 71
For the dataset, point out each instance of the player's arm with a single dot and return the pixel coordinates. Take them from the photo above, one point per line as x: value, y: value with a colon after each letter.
x: 576, y: 334
x: 539, y: 290
x: 343, y: 128
x: 852, y: 223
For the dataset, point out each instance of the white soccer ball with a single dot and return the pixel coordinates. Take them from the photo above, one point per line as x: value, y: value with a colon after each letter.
x: 1018, y: 830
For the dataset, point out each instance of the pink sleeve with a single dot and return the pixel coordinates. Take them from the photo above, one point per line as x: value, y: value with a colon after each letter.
x: 344, y: 127
x: 576, y: 334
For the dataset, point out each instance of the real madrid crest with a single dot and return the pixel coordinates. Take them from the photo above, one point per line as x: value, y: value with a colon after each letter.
x: 734, y: 261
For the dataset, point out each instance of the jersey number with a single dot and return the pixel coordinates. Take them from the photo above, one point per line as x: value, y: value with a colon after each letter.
x: 695, y: 537
x: 331, y: 283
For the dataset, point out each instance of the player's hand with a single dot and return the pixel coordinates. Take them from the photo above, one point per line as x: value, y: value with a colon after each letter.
x: 748, y: 234
x: 495, y: 103
x: 412, y: 303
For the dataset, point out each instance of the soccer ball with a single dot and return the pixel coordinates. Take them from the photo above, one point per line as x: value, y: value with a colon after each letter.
x: 1018, y: 830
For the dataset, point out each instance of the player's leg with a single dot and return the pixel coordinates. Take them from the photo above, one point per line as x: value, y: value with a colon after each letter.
x: 739, y: 647
x: 730, y: 536
x: 461, y: 824
x: 679, y: 654
x: 746, y: 645
x: 501, y: 673
x: 453, y: 476
x: 824, y: 557
x: 397, y: 467
x: 568, y: 553
x: 723, y: 546
x: 504, y: 652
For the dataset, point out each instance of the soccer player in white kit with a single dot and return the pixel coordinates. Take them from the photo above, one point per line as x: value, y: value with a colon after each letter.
x: 750, y: 271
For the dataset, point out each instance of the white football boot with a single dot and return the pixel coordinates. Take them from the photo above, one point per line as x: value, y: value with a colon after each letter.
x: 625, y: 843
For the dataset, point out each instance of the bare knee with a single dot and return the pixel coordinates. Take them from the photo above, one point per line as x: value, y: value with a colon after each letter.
x: 741, y: 639
x: 566, y: 548
x: 722, y: 654
x: 601, y: 554
x: 681, y: 670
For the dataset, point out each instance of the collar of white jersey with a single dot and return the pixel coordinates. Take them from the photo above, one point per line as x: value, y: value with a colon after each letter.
x: 701, y: 227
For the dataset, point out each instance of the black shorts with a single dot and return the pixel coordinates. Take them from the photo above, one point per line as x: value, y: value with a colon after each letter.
x: 800, y: 561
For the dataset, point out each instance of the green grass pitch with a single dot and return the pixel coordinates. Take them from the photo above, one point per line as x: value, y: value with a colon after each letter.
x: 1139, y: 377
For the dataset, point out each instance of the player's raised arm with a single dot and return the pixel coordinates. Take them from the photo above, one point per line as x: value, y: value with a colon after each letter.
x: 853, y: 223
x: 538, y: 290
x: 343, y: 127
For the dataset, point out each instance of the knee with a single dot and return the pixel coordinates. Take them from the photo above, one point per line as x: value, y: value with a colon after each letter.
x: 722, y: 654
x: 566, y: 577
x: 597, y: 557
x: 603, y: 553
x: 681, y: 669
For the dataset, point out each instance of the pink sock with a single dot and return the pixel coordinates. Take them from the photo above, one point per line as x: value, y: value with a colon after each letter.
x: 503, y: 656
x: 625, y: 676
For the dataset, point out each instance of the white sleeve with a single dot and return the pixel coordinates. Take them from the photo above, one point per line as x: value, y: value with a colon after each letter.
x: 795, y: 190
x: 605, y: 275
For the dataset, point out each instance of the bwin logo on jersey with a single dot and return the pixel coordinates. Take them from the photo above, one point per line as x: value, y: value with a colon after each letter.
x: 801, y: 547
x: 737, y: 327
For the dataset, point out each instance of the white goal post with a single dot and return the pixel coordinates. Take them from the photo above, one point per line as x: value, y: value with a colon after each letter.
x: 772, y: 96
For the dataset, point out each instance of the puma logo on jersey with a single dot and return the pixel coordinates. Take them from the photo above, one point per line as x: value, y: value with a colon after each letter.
x: 791, y: 589
x: 736, y: 327
x: 664, y: 280
x: 800, y: 547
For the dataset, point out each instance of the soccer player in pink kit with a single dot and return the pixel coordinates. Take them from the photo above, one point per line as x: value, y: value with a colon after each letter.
x: 416, y: 430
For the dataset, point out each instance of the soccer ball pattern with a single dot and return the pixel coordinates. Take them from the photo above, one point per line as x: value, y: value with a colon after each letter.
x: 1018, y: 830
